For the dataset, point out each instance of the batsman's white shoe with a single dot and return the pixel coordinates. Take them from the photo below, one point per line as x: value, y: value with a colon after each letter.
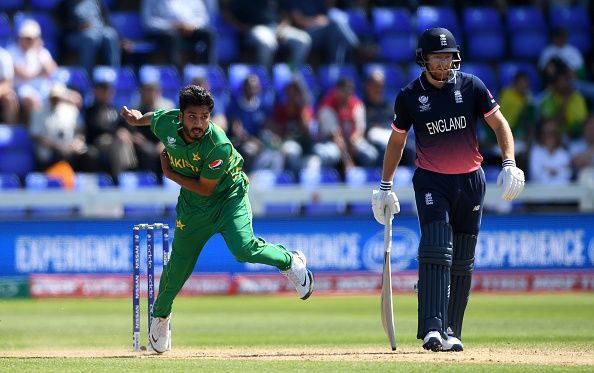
x: 299, y: 275
x: 452, y: 344
x: 433, y: 341
x: 159, y: 334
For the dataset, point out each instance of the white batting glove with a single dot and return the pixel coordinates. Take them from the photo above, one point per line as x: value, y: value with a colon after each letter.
x: 384, y: 200
x: 511, y: 179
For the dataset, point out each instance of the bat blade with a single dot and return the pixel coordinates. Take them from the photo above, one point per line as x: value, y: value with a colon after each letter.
x: 386, y: 296
x: 387, y: 302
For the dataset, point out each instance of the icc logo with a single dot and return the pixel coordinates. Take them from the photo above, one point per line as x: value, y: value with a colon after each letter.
x: 405, y: 243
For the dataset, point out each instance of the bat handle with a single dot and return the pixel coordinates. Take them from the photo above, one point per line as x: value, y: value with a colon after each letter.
x: 388, y: 218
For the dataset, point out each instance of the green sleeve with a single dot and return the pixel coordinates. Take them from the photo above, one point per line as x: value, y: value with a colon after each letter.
x: 216, y: 163
x: 154, y: 121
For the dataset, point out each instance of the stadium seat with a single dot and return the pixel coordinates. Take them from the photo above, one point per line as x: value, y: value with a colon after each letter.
x: 484, y: 72
x: 312, y: 178
x: 282, y: 73
x: 414, y: 71
x: 49, y: 30
x: 126, y: 84
x: 527, y: 45
x: 75, y: 77
x: 5, y: 31
x: 129, y: 26
x: 134, y: 180
x: 571, y: 18
x: 507, y: 71
x: 227, y: 41
x: 394, y: 27
x: 478, y: 19
x: 92, y: 181
x: 12, y: 5
x: 328, y: 75
x: 11, y: 182
x: 217, y: 80
x: 166, y: 74
x: 357, y: 19
x: 391, y: 20
x: 525, y: 18
x: 437, y: 16
x: 16, y: 150
x: 581, y: 40
x: 395, y: 78
x: 37, y: 182
x: 45, y: 5
x: 485, y: 46
x: 238, y: 72
x: 397, y: 47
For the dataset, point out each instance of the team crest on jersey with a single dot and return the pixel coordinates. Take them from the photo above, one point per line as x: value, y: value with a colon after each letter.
x: 216, y: 164
x: 425, y: 105
x: 171, y: 142
x: 196, y: 157
x: 458, y: 96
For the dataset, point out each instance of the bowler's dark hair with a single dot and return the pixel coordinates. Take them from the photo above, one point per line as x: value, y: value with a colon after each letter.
x: 193, y: 95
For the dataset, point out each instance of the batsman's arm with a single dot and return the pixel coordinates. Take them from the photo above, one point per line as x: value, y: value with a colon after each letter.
x: 135, y: 118
x: 503, y: 132
x: 393, y: 154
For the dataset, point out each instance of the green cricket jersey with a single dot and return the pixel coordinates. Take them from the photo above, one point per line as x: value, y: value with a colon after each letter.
x: 211, y: 157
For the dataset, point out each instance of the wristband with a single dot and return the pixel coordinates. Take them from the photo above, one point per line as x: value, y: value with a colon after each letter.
x: 385, y: 185
x: 509, y: 163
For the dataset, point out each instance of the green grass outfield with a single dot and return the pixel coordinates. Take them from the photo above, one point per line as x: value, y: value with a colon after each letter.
x: 542, y: 332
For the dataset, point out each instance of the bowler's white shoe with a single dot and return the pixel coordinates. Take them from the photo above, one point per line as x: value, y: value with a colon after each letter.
x: 452, y: 344
x: 299, y: 275
x: 433, y: 341
x: 159, y: 334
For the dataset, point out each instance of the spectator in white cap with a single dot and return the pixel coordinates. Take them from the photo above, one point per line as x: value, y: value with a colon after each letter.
x: 33, y: 66
x: 9, y: 102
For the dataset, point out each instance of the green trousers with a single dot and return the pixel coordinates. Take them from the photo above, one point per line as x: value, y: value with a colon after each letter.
x: 232, y: 218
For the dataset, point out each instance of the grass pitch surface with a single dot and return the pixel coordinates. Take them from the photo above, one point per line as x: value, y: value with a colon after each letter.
x: 550, y: 332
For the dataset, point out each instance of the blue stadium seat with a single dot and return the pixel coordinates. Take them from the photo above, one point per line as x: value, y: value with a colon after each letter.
x: 282, y: 73
x: 129, y: 26
x: 527, y: 45
x: 75, y: 77
x: 397, y: 47
x: 11, y: 182
x: 414, y: 71
x: 395, y: 78
x: 217, y: 80
x: 357, y: 19
x: 37, y: 182
x: 571, y: 18
x: 49, y: 30
x: 92, y: 181
x: 5, y: 31
x: 525, y: 18
x: 284, y: 208
x: 311, y: 178
x: 167, y: 76
x: 485, y: 46
x: 507, y: 71
x: 581, y: 40
x: 391, y: 20
x: 45, y: 5
x: 328, y: 75
x: 16, y: 150
x: 134, y: 180
x: 484, y: 72
x: 477, y: 19
x: 126, y: 84
x: 437, y: 16
x: 238, y: 72
x: 227, y: 41
x: 12, y: 5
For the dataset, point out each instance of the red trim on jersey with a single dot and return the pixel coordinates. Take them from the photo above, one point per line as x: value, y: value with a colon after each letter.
x: 397, y: 129
x: 492, y: 111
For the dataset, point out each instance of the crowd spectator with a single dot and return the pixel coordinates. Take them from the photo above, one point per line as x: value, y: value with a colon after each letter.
x: 9, y: 102
x: 182, y: 28
x: 86, y: 29
x: 563, y: 103
x: 57, y: 131
x: 561, y: 49
x: 33, y: 67
x: 332, y: 38
x: 265, y: 26
x: 293, y: 124
x: 582, y: 149
x: 104, y: 131
x: 341, y: 118
x: 248, y: 114
x: 550, y: 162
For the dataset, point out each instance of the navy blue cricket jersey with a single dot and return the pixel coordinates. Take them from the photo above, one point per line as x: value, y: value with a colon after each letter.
x: 445, y: 121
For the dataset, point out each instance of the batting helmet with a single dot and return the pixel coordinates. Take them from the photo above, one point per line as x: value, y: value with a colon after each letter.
x: 437, y: 40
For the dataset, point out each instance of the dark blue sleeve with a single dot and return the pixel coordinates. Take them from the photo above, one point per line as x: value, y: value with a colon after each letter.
x: 402, y: 119
x: 485, y: 102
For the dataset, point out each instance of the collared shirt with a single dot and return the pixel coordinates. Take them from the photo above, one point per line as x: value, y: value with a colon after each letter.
x: 445, y: 121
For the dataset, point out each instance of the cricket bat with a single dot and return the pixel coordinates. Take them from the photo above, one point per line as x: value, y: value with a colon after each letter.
x: 386, y: 297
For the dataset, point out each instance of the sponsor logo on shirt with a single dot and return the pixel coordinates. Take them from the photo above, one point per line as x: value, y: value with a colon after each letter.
x: 425, y: 105
x: 215, y: 164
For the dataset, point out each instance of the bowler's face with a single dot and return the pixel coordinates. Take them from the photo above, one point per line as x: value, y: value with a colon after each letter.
x: 194, y: 122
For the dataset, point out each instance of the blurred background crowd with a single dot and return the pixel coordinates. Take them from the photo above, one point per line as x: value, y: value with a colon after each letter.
x: 302, y: 87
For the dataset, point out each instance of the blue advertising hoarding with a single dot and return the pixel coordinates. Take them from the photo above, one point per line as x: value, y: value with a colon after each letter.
x: 526, y: 242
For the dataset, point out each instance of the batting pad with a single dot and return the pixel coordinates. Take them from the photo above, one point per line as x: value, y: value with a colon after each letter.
x: 461, y: 280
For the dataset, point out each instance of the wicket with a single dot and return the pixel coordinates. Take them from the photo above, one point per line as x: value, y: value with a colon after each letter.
x: 150, y: 275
